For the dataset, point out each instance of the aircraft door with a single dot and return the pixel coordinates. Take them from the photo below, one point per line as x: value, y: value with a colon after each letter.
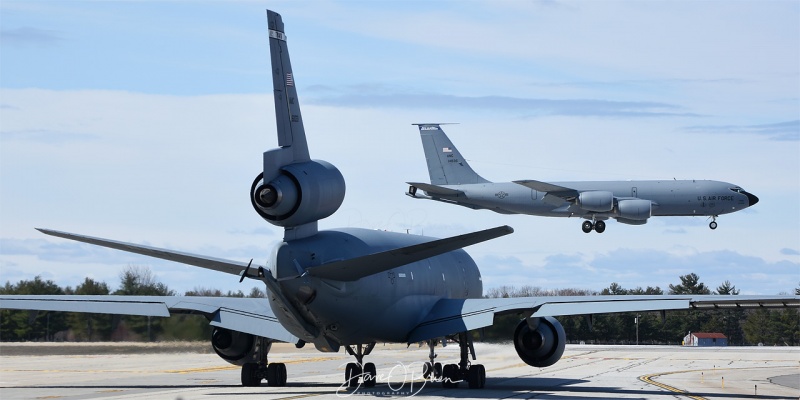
x: 634, y: 192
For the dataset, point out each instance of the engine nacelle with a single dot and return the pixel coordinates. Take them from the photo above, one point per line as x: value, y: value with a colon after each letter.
x: 301, y: 193
x: 598, y: 201
x: 234, y: 347
x: 543, y: 346
x: 635, y: 210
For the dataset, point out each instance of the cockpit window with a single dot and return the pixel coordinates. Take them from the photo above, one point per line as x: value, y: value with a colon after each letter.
x: 737, y: 190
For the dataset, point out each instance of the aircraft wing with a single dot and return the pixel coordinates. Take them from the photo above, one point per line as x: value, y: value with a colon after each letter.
x: 216, y: 264
x: 560, y: 191
x: 554, y: 194
x: 249, y: 315
x: 449, y: 316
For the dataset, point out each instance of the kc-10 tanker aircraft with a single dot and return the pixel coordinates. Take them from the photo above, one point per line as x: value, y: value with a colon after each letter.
x: 629, y: 202
x: 354, y: 288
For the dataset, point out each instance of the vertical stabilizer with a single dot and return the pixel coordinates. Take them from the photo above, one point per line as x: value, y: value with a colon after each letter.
x: 446, y: 166
x: 287, y: 108
x: 293, y: 191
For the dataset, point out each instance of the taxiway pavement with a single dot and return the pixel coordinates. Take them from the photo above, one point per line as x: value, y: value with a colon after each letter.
x: 585, y: 371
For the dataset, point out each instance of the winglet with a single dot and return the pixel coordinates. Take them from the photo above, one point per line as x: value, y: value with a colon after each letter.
x: 356, y: 268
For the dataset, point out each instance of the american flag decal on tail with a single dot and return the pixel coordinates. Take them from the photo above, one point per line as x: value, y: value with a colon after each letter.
x: 289, y: 80
x: 447, y: 150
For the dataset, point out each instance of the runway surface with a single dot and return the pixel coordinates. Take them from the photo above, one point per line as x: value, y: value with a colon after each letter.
x: 599, y: 372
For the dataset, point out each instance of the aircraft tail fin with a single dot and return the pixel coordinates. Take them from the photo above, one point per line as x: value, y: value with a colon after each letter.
x: 446, y: 166
x: 289, y: 121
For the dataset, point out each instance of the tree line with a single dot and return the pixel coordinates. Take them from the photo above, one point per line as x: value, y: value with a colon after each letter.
x: 772, y: 327
x: 742, y: 327
x: 24, y: 325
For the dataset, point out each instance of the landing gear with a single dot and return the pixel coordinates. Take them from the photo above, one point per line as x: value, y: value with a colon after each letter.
x: 453, y: 374
x: 713, y: 224
x: 254, y: 373
x: 432, y: 369
x: 600, y: 226
x: 588, y: 226
x: 354, y: 372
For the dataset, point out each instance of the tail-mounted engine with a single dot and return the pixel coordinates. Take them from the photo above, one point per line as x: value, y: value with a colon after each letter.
x: 541, y: 346
x: 301, y: 193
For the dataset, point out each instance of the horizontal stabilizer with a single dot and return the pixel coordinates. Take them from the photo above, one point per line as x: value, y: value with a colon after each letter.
x: 216, y: 264
x: 356, y: 268
x: 560, y: 191
x: 436, y: 190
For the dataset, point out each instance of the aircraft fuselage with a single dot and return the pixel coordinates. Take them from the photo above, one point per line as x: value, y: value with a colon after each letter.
x: 669, y: 197
x: 375, y: 308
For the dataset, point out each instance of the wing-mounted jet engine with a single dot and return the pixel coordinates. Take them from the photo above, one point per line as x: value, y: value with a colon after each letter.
x: 540, y: 341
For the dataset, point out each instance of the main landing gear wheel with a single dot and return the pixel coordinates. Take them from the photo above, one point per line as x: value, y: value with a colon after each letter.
x: 251, y: 376
x: 600, y: 226
x: 588, y: 226
x: 476, y: 376
x: 276, y: 374
x: 473, y: 374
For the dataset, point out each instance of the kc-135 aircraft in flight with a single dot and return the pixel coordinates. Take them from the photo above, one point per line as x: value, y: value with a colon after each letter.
x: 629, y: 202
x: 352, y: 288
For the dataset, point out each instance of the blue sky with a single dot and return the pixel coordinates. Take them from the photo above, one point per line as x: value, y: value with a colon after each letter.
x: 145, y: 122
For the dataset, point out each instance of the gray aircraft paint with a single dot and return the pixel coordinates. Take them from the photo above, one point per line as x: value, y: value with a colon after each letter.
x: 454, y: 181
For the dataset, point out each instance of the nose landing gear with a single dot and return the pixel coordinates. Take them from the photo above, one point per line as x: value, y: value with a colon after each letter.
x: 713, y: 223
x: 358, y: 371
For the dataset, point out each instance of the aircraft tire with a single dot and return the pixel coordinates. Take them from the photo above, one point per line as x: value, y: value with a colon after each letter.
x: 713, y: 225
x: 600, y: 226
x: 276, y: 374
x: 587, y: 226
x: 433, y: 371
x: 427, y: 370
x: 450, y: 376
x: 250, y: 375
x: 351, y: 374
x: 370, y: 375
x: 476, y: 376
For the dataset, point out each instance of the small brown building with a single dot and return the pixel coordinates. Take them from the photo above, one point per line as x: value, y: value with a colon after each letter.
x: 703, y: 339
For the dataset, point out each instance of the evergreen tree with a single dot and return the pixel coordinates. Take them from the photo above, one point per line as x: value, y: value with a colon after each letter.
x: 90, y: 327
x: 32, y: 325
x: 139, y: 281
